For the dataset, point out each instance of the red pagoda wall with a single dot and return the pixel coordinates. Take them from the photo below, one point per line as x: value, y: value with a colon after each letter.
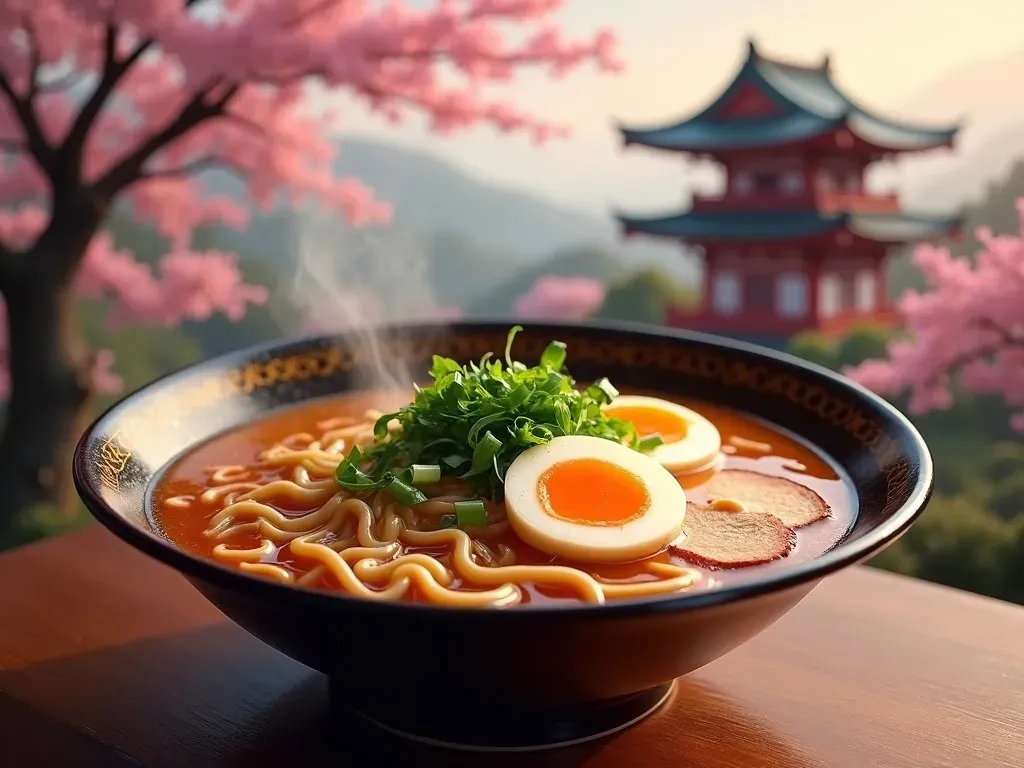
x: 784, y: 290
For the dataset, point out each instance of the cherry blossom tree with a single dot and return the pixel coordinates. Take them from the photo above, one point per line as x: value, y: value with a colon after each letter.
x: 561, y: 298
x: 969, y: 327
x: 125, y: 101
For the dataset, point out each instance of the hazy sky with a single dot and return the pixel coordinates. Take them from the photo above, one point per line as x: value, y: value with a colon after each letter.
x: 679, y: 52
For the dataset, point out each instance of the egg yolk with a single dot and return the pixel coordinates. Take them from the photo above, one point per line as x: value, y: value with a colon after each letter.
x: 592, y: 492
x: 652, y: 421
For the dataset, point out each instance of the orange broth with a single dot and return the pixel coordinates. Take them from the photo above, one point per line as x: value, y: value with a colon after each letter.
x: 744, y: 442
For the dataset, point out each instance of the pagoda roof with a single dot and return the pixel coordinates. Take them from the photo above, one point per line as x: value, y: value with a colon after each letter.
x: 787, y: 104
x: 742, y: 226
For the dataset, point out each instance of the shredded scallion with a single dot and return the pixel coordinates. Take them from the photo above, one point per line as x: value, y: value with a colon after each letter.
x: 649, y: 443
x: 404, y: 493
x: 471, y: 514
x: 475, y: 419
x: 424, y: 474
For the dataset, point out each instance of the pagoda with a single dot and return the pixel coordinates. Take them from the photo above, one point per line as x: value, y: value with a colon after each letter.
x: 796, y: 242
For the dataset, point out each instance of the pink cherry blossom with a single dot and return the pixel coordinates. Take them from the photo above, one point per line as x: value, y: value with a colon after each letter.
x: 105, y: 101
x: 968, y: 327
x: 561, y: 298
x: 104, y: 380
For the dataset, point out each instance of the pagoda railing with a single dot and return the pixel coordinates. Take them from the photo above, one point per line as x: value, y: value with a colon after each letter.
x: 823, y: 201
x: 771, y: 324
x: 844, y: 323
x: 858, y: 203
x: 765, y: 202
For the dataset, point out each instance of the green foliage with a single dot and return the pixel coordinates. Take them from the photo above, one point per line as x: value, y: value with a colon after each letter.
x: 997, y: 210
x: 1002, y: 480
x: 39, y: 522
x: 959, y: 544
x: 814, y: 348
x: 864, y: 343
x: 141, y: 353
x: 644, y: 297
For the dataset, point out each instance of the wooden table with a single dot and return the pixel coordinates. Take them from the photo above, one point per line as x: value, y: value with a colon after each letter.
x: 110, y: 659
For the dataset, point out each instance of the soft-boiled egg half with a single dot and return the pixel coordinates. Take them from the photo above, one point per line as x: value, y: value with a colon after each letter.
x: 689, y: 441
x: 593, y: 500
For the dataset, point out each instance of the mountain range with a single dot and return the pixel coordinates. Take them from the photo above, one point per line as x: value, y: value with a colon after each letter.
x: 454, y: 239
x: 429, y: 194
x: 458, y: 239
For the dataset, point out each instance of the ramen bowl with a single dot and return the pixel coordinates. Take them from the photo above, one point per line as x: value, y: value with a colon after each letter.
x: 534, y: 675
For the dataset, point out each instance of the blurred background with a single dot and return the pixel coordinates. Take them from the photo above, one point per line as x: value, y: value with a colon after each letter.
x: 902, y: 123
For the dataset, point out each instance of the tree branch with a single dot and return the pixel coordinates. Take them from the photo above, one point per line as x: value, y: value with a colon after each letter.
x: 303, y: 17
x: 1007, y: 337
x: 195, y: 112
x: 113, y: 71
x: 245, y: 122
x: 35, y: 59
x: 259, y: 130
x: 8, y: 265
x: 35, y: 140
x: 195, y: 166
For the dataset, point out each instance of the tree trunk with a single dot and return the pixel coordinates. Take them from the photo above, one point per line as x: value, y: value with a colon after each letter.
x: 49, y: 369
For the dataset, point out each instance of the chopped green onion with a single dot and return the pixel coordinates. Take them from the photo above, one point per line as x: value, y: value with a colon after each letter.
x: 404, y: 493
x: 349, y: 462
x: 553, y: 356
x: 424, y: 474
x: 471, y: 514
x: 508, y: 344
x: 483, y: 423
x: 449, y: 521
x: 563, y: 418
x: 649, y: 443
x: 351, y: 477
x: 602, y: 389
x: 484, y: 454
x: 518, y: 396
x: 380, y: 426
x: 553, y: 383
x: 441, y: 365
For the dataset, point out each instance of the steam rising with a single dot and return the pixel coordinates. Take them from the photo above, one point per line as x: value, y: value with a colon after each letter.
x: 356, y: 280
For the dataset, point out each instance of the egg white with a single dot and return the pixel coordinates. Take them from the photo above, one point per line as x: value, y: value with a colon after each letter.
x: 700, y: 447
x: 660, y: 524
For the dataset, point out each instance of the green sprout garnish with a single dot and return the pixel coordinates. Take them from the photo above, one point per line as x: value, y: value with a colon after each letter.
x: 475, y: 419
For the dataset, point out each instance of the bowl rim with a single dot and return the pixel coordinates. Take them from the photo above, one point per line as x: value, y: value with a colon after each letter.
x: 845, y: 553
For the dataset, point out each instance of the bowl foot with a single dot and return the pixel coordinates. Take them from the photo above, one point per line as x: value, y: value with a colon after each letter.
x: 492, y: 729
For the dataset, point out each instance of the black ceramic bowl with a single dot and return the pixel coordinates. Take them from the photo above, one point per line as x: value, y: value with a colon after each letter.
x: 530, y: 676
